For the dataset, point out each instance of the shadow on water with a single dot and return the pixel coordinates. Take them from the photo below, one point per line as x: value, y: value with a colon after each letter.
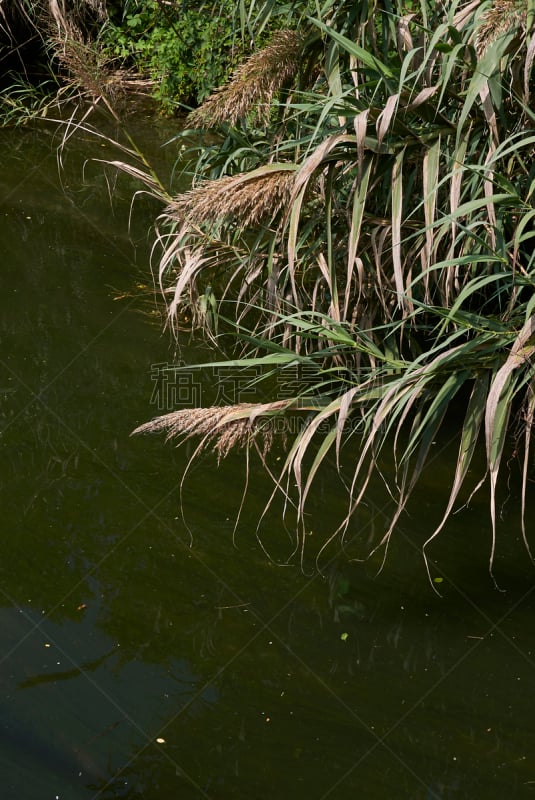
x: 39, y: 750
x: 137, y: 666
x: 65, y: 721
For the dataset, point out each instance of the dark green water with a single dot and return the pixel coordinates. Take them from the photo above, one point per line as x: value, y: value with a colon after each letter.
x: 117, y: 630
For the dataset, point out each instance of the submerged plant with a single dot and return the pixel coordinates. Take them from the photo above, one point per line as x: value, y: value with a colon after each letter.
x: 378, y: 222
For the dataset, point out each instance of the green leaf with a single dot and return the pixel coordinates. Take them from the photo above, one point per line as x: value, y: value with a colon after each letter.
x: 485, y: 69
x: 356, y: 51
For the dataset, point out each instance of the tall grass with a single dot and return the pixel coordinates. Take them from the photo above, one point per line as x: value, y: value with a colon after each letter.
x: 369, y: 208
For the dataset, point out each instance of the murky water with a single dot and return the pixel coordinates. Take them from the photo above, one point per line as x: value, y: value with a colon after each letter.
x: 143, y: 658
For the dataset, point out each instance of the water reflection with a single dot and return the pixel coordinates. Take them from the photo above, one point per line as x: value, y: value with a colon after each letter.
x: 74, y: 720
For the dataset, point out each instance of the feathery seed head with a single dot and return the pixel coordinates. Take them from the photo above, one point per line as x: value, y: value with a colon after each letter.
x: 254, y: 83
x: 223, y: 427
x: 498, y: 20
x: 248, y: 198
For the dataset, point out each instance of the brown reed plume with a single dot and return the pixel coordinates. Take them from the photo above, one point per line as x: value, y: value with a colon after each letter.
x: 86, y: 64
x: 223, y: 428
x: 85, y: 61
x: 254, y: 84
x: 248, y: 198
x: 500, y: 18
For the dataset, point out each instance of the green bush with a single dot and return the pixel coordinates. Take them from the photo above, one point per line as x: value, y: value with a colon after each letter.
x: 186, y: 49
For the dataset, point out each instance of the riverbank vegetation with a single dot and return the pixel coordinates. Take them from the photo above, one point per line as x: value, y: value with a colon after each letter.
x: 363, y: 212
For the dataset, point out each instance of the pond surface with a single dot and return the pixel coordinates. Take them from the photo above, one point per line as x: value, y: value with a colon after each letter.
x: 147, y: 655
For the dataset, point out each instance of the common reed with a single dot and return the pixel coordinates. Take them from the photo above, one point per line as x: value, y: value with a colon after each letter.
x: 250, y: 198
x: 87, y: 65
x: 254, y: 84
x: 401, y: 264
x: 221, y: 428
x: 498, y: 19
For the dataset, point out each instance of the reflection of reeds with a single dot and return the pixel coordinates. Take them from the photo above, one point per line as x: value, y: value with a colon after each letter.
x: 254, y: 84
x: 248, y: 198
x: 221, y: 427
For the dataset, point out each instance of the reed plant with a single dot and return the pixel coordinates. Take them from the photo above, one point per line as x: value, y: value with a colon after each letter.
x: 367, y: 208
